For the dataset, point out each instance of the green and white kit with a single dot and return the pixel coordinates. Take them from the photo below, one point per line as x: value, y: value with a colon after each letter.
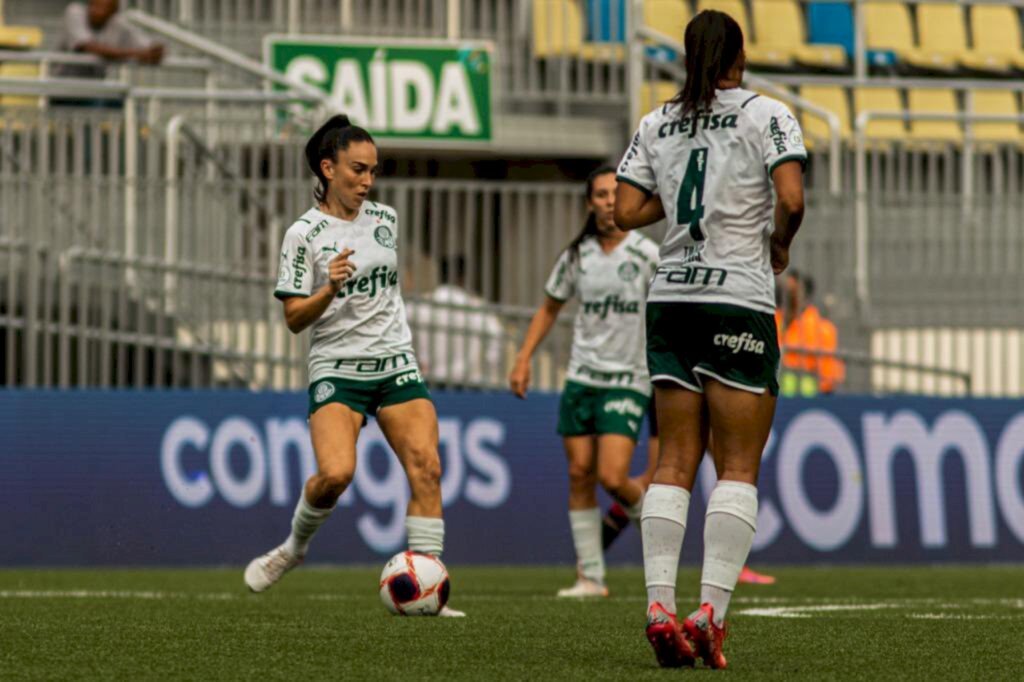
x: 363, y: 336
x: 713, y: 297
x: 712, y: 170
x: 607, y: 380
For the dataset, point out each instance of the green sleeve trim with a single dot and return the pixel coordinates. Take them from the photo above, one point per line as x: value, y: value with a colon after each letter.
x: 788, y: 157
x: 557, y: 298
x: 289, y: 294
x: 634, y: 183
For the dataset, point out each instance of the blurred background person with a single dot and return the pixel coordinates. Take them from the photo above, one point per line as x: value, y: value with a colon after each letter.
x: 804, y: 327
x: 97, y: 28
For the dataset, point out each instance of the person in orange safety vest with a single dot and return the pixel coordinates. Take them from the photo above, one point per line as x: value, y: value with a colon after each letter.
x: 802, y: 325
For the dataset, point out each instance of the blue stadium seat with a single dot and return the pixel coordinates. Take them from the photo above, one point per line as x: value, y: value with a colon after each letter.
x: 606, y: 21
x: 831, y: 23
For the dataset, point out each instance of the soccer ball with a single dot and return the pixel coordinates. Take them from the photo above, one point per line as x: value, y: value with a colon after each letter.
x: 414, y: 584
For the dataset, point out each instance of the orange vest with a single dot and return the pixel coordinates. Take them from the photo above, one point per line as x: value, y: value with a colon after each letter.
x: 812, y: 331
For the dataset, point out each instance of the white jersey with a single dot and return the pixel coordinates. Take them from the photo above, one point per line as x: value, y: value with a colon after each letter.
x: 363, y: 334
x: 609, y: 341
x: 712, y: 171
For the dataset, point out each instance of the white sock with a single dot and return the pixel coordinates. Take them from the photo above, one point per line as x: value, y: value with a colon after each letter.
x: 305, y: 522
x: 635, y: 511
x: 662, y: 528
x: 586, y: 536
x: 425, y: 534
x: 728, y: 534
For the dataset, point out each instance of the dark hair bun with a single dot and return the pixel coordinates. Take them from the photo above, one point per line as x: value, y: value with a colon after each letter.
x: 336, y: 122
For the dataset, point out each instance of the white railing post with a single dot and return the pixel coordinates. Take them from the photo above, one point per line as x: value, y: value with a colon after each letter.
x: 454, y: 19
x: 860, y: 228
x: 131, y: 162
x: 860, y: 53
x: 171, y: 208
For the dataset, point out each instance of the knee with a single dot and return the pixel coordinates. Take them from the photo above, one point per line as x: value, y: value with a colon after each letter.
x: 581, y: 477
x: 424, y: 468
x: 336, y: 480
x: 613, y: 481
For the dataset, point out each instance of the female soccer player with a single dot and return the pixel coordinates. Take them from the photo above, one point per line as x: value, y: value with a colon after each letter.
x: 608, y: 386
x: 709, y: 158
x: 339, y: 275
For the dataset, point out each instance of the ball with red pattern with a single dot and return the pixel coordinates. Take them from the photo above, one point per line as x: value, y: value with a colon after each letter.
x: 414, y: 584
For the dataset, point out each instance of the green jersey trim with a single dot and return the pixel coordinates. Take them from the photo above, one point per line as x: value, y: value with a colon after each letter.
x: 788, y: 157
x: 282, y: 295
x: 634, y: 183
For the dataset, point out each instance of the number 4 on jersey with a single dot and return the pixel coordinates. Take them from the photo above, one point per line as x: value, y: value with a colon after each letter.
x: 690, y: 202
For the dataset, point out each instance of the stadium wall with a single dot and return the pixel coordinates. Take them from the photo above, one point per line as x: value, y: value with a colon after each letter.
x: 203, y: 477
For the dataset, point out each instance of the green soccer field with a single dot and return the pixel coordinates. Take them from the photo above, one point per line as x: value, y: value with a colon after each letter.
x: 320, y: 623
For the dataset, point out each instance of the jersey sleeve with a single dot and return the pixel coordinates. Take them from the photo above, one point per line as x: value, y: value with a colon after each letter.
x: 295, y: 274
x: 636, y: 167
x: 781, y: 138
x: 561, y: 284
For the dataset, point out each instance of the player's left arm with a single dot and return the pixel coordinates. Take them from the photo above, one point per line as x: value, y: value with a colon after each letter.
x: 784, y: 156
x: 636, y: 201
x: 635, y: 209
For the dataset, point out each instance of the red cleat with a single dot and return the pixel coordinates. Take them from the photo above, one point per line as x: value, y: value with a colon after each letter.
x: 752, y: 577
x: 670, y: 645
x: 707, y: 637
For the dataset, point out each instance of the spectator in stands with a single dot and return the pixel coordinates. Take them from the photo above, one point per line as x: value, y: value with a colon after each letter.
x: 97, y: 28
x: 806, y: 328
x: 458, y: 342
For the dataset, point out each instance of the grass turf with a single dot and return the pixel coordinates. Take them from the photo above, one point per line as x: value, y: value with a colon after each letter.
x: 816, y: 623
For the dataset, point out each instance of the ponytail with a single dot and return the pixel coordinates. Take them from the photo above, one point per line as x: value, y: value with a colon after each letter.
x: 336, y: 134
x: 713, y: 42
x: 590, y: 226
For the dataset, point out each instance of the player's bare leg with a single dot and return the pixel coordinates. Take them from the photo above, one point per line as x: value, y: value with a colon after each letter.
x: 333, y: 429
x: 682, y: 418
x: 740, y: 421
x: 411, y: 430
x: 614, y: 454
x: 584, y: 518
x: 616, y: 519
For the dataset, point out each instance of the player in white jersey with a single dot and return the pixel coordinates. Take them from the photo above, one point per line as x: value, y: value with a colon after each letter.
x: 339, y: 275
x: 710, y: 159
x: 608, y: 387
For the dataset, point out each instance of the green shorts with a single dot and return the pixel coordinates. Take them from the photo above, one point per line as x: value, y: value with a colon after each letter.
x: 366, y: 397
x: 690, y: 342
x: 588, y: 410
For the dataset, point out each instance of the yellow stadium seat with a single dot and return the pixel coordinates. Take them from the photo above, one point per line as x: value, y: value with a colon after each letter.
x: 779, y: 25
x: 995, y: 102
x: 995, y: 30
x: 667, y: 16
x: 757, y: 54
x: 832, y: 98
x: 20, y: 37
x: 941, y: 30
x: 558, y: 31
x: 887, y: 26
x: 885, y: 100
x: 18, y: 70
x: 655, y: 93
x: 934, y: 100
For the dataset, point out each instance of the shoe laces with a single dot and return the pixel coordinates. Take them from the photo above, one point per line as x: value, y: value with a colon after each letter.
x: 278, y: 560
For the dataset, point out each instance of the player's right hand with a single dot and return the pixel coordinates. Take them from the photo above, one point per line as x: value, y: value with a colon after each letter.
x: 519, y: 379
x: 340, y: 269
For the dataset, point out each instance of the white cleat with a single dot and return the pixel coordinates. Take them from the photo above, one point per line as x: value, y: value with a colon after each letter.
x: 263, y: 571
x: 584, y: 589
x: 449, y: 612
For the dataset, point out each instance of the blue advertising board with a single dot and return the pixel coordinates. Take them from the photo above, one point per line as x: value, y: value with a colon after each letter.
x: 199, y: 478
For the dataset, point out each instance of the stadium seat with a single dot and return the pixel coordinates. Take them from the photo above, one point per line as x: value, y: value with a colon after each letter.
x: 887, y: 26
x: 667, y: 16
x: 558, y: 27
x: 995, y: 102
x: 934, y: 100
x: 779, y: 25
x: 757, y: 55
x: 655, y: 93
x: 880, y: 99
x: 995, y: 30
x: 18, y: 70
x: 20, y: 37
x: 833, y: 98
x: 831, y: 23
x: 941, y: 30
